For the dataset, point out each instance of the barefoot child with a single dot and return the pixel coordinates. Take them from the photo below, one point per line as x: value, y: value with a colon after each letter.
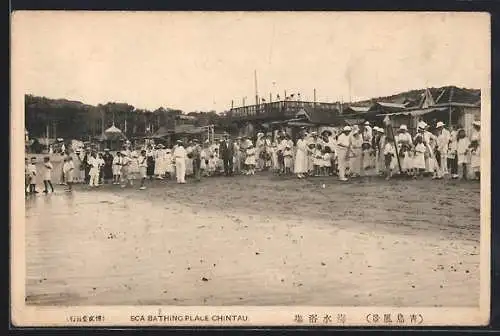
x: 32, y: 171
x: 419, y: 157
x: 27, y: 176
x: 327, y: 162
x: 47, y: 176
x: 133, y: 168
x: 475, y: 159
x: 288, y: 158
x: 317, y: 160
x: 68, y: 168
x: 117, y: 167
x: 463, y: 144
x: 389, y: 156
x: 143, y: 166
x: 250, y: 160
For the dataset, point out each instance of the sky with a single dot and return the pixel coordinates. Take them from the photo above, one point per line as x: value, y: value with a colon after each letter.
x: 207, y: 61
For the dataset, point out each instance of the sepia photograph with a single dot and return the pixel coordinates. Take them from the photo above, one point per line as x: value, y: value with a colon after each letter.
x: 250, y: 168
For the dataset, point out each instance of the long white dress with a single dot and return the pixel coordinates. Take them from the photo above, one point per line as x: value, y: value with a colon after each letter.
x: 160, y: 162
x: 301, y: 159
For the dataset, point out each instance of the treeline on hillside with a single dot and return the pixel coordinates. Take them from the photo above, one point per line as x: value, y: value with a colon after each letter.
x: 76, y: 120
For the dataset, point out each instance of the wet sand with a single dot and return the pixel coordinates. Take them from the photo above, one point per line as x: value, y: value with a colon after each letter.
x: 258, y: 240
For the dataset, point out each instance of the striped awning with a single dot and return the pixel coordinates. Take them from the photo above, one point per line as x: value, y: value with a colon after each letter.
x: 414, y: 113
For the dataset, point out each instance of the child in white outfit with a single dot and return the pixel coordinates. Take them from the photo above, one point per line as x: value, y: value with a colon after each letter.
x: 327, y: 162
x: 288, y: 157
x: 419, y: 157
x: 463, y: 145
x: 475, y: 159
x: 47, y: 176
x: 68, y: 169
x: 389, y: 157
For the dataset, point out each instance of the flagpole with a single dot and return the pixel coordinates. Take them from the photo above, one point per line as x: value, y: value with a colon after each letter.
x: 256, y: 91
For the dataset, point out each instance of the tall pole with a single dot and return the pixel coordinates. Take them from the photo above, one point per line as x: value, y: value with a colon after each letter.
x: 232, y: 104
x: 449, y: 106
x: 256, y: 90
x: 314, y: 96
x: 47, y: 135
x: 102, y: 121
x: 270, y: 97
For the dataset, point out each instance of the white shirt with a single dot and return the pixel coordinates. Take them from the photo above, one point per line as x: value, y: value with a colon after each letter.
x: 475, y: 135
x: 463, y: 145
x: 404, y: 138
x: 389, y: 149
x: 68, y: 165
x: 180, y: 153
x: 343, y: 141
x: 443, y: 139
x: 356, y: 141
x: 93, y: 162
x: 367, y: 134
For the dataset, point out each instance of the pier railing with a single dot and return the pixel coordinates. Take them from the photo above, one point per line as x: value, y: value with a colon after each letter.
x: 276, y: 110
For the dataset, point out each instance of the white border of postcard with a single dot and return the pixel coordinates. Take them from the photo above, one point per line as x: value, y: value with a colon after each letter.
x: 233, y: 316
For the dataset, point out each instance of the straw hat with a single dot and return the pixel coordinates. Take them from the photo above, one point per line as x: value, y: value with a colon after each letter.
x: 422, y: 124
x: 403, y: 128
x: 439, y: 124
x: 347, y: 128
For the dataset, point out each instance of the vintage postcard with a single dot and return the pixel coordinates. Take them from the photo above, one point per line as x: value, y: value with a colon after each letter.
x: 250, y: 169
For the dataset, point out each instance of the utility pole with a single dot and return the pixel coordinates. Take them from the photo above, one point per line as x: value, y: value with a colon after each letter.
x: 47, y: 135
x: 256, y: 90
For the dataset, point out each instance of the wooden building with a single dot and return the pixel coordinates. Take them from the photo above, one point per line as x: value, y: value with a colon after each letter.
x: 288, y: 116
x: 452, y: 105
x: 184, y: 128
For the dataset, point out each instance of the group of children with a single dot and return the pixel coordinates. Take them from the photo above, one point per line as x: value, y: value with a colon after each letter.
x: 31, y: 174
x: 447, y: 153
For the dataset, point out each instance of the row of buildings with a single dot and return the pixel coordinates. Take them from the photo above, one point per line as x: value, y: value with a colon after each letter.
x: 455, y: 106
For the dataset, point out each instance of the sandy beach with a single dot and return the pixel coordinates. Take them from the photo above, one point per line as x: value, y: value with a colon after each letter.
x: 260, y: 240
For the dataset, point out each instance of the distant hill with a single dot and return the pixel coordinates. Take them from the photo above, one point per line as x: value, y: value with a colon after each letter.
x: 413, y: 97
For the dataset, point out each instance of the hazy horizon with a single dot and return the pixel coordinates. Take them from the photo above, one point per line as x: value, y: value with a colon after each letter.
x: 202, y: 61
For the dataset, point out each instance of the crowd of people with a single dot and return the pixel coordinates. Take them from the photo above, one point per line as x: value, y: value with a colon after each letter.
x: 347, y: 153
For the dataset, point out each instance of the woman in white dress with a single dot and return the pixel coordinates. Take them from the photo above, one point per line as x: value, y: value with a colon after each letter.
x: 301, y: 158
x: 250, y: 160
x: 160, y: 162
x: 189, y: 159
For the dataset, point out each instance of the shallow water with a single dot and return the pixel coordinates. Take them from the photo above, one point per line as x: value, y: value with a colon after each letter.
x: 179, y: 245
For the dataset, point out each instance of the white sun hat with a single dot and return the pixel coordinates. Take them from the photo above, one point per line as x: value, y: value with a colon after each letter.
x: 476, y: 123
x: 367, y: 123
x: 347, y: 128
x: 381, y: 130
x: 421, y: 124
x: 403, y: 127
x: 439, y: 124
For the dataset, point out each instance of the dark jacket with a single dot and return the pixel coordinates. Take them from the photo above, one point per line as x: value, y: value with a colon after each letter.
x: 226, y: 149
